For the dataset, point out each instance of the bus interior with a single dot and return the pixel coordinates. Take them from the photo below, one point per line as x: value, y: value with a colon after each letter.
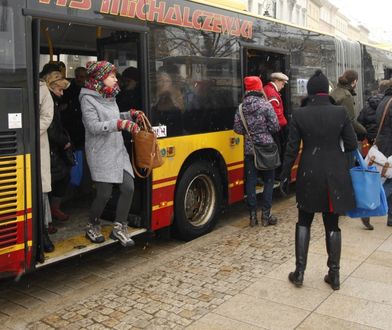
x: 75, y: 45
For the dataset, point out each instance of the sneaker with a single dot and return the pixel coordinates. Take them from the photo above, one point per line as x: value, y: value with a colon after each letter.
x: 93, y: 233
x: 120, y: 233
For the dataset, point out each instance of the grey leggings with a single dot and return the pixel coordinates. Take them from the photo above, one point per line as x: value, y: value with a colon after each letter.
x: 104, y: 192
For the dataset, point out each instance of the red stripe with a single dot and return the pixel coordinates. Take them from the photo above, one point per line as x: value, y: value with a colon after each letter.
x: 165, y: 180
x: 235, y: 163
x: 162, y: 218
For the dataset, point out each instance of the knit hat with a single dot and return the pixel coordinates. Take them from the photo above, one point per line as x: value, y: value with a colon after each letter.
x: 100, y: 70
x: 55, y: 79
x: 253, y: 83
x: 318, y: 83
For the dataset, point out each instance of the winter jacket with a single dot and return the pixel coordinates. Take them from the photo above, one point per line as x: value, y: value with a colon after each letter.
x: 45, y: 118
x: 367, y: 116
x: 105, y: 151
x: 261, y: 120
x: 276, y: 101
x: 384, y: 140
x: 343, y: 96
x: 58, y: 138
x: 323, y: 171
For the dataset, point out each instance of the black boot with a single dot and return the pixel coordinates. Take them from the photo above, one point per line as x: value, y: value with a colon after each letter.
x: 253, y: 218
x: 267, y: 219
x: 302, y: 238
x: 366, y: 223
x: 389, y: 221
x: 48, y: 245
x: 334, y: 247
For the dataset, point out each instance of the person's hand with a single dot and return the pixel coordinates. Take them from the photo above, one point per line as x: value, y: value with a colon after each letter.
x: 136, y: 115
x: 284, y: 186
x: 68, y: 145
x: 127, y: 125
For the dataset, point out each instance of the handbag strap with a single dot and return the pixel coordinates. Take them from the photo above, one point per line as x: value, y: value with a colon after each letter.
x: 382, y: 119
x: 244, y: 122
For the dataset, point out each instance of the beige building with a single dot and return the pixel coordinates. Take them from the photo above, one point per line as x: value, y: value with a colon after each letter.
x: 327, y: 17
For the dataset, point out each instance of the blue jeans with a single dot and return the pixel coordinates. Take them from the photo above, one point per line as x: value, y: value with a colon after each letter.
x: 250, y: 185
x: 388, y: 192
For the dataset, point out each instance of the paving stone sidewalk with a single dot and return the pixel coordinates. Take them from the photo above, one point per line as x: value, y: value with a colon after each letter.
x: 233, y: 278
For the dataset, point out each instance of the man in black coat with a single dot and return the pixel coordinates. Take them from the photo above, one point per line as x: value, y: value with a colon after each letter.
x: 323, y: 179
x: 384, y: 143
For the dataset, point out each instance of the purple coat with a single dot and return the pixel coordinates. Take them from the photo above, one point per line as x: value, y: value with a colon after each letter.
x: 261, y: 120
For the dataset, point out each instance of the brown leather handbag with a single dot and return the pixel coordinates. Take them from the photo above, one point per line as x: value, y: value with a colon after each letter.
x: 146, y: 152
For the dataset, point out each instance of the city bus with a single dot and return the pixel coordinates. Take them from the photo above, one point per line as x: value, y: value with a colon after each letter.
x: 202, y: 49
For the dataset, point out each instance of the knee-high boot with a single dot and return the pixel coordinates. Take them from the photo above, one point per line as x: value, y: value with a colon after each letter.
x: 334, y: 246
x: 302, y: 238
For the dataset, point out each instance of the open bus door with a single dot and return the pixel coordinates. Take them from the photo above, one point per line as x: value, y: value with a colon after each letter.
x: 75, y: 45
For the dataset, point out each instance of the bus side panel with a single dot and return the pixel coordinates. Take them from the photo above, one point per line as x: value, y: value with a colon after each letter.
x: 176, y: 151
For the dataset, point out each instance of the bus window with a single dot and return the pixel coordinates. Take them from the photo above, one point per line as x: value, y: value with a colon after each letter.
x: 196, y: 84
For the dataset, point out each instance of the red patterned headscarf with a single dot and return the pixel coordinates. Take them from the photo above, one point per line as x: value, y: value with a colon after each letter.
x: 98, y: 72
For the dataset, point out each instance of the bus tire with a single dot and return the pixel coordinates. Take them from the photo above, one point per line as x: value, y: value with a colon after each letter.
x: 198, y: 201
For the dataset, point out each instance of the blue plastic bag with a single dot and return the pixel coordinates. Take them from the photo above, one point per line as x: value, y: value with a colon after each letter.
x: 381, y: 210
x: 366, y: 182
x: 77, y: 169
x: 369, y: 193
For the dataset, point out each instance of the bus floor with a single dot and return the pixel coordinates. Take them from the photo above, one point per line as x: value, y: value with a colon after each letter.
x: 70, y: 239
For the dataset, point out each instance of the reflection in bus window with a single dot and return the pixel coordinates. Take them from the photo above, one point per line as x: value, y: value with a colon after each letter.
x: 196, y: 84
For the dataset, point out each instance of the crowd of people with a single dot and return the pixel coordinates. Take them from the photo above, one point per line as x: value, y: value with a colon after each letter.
x: 90, y: 113
x: 323, y: 183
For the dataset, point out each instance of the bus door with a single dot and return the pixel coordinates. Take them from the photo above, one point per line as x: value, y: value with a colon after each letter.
x: 262, y: 63
x: 71, y: 47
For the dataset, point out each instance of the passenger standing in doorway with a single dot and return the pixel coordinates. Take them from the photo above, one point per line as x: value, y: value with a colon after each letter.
x: 106, y: 155
x: 262, y: 123
x: 323, y: 179
x: 344, y: 94
x: 45, y: 119
x: 384, y: 144
x: 60, y: 147
x: 272, y: 91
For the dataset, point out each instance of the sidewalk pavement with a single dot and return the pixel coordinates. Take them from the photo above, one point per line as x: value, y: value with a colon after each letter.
x: 236, y: 278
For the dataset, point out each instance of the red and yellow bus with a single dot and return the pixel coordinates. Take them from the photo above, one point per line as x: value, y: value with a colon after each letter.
x: 191, y: 57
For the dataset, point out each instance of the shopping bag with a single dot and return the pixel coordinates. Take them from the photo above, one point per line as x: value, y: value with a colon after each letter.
x: 366, y: 181
x: 383, y: 164
x: 380, y: 211
x: 77, y: 169
x: 146, y: 152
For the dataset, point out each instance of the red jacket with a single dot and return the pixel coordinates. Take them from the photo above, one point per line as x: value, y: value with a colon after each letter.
x: 276, y: 101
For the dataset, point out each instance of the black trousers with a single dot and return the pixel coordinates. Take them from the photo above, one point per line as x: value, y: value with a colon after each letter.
x: 104, y: 192
x: 331, y: 220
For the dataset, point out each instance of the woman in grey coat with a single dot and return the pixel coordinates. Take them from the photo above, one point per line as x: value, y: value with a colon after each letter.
x: 106, y: 155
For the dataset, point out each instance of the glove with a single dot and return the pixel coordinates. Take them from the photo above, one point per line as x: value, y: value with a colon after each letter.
x: 284, y: 186
x: 136, y: 115
x: 127, y: 125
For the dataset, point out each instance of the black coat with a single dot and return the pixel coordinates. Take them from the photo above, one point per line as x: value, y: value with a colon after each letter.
x: 384, y: 140
x: 367, y: 116
x: 58, y: 138
x: 323, y: 169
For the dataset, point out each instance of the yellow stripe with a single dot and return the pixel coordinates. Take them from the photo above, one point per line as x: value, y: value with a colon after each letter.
x: 162, y: 206
x: 16, y: 247
x: 20, y: 218
x: 230, y: 168
x: 164, y: 184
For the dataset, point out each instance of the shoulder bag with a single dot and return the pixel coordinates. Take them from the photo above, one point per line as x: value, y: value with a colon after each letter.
x: 146, y: 153
x: 266, y: 156
x: 375, y: 156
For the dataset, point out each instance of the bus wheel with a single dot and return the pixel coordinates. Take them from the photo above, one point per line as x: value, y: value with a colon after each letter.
x: 198, y: 200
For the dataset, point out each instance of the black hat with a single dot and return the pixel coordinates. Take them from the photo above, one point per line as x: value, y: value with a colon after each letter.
x: 318, y: 83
